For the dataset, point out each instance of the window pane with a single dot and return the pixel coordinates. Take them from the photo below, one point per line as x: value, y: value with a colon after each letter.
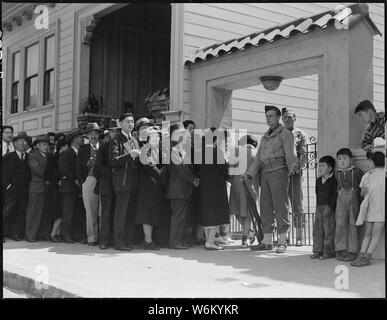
x: 32, y: 62
x: 31, y: 92
x: 15, y: 97
x: 15, y: 66
x: 48, y: 87
x: 49, y: 52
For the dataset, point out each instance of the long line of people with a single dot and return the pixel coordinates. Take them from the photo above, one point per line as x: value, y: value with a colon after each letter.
x: 102, y: 193
x: 129, y: 187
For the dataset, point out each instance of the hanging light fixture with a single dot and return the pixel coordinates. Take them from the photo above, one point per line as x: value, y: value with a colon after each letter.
x: 271, y: 83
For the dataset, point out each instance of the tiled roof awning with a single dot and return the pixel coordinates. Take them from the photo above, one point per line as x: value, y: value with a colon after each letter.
x: 343, y: 17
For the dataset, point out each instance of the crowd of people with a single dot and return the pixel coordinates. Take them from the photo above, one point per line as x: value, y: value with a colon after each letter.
x: 125, y: 187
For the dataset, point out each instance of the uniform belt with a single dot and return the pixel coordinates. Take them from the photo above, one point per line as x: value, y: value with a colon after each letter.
x: 274, y: 163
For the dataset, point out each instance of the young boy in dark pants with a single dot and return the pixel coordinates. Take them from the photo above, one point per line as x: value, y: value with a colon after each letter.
x: 324, y: 224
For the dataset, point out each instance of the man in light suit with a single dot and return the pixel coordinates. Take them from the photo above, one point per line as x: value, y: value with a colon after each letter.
x: 124, y: 152
x: 37, y: 162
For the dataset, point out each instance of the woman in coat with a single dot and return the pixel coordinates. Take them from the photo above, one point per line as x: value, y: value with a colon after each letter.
x: 213, y: 190
x: 238, y: 202
x: 150, y: 189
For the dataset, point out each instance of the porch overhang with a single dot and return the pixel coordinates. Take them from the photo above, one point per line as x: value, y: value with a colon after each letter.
x: 343, y: 17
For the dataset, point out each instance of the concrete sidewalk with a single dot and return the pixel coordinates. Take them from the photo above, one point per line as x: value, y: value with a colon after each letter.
x: 79, y: 270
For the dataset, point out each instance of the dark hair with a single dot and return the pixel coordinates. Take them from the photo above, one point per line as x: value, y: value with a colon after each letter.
x: 186, y: 123
x: 365, y: 105
x: 377, y: 157
x: 248, y: 139
x: 251, y: 140
x: 50, y: 134
x: 124, y: 115
x: 59, y: 136
x: 61, y: 143
x: 330, y: 161
x: 344, y: 152
x: 8, y: 127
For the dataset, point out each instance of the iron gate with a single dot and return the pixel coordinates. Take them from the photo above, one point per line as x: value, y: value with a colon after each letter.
x: 309, y: 176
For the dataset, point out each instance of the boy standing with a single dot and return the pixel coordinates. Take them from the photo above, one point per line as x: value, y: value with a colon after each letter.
x: 348, y: 206
x: 324, y: 225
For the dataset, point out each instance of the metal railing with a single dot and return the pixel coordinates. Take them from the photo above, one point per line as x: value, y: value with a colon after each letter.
x: 309, y: 174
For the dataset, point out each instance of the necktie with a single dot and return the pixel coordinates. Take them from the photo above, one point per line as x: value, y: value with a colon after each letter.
x: 8, y: 150
x: 22, y: 156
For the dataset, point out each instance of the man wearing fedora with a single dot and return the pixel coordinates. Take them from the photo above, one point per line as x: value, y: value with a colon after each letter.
x: 37, y: 162
x: 86, y: 177
x: 7, y: 140
x: 103, y: 171
x: 124, y: 153
x: 276, y: 159
x: 16, y: 180
x: 69, y: 186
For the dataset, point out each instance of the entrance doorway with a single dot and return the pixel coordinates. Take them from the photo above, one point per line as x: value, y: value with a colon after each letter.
x: 130, y: 57
x: 301, y: 95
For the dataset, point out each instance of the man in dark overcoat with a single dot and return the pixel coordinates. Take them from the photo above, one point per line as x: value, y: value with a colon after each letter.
x: 16, y: 181
x: 124, y: 152
x: 69, y: 186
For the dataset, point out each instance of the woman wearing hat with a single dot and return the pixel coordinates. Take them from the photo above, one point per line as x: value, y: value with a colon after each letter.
x: 213, y: 189
x: 152, y: 176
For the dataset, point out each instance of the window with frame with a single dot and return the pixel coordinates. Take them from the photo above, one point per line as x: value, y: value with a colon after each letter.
x: 33, y: 75
x: 15, y: 82
x: 48, y: 80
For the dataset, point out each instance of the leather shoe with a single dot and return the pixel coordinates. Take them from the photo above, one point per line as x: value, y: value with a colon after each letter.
x: 124, y: 248
x: 55, y: 239
x: 30, y: 240
x: 213, y: 247
x: 83, y: 241
x: 93, y: 243
x: 103, y: 246
x: 149, y: 246
x: 68, y: 240
x: 134, y: 246
x: 179, y: 246
x: 262, y: 247
x: 16, y: 238
x: 281, y: 248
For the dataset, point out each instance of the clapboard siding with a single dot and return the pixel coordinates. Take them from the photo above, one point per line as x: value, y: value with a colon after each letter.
x: 208, y: 23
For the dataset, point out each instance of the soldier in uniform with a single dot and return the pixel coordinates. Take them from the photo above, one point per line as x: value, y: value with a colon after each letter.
x: 295, y: 182
x: 276, y: 158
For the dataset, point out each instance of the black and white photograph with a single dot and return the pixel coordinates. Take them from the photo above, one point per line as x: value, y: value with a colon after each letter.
x: 193, y: 150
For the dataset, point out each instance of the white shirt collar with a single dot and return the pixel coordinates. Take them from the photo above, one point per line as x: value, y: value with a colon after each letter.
x: 75, y: 149
x: 19, y: 154
x: 96, y: 146
x: 128, y: 136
